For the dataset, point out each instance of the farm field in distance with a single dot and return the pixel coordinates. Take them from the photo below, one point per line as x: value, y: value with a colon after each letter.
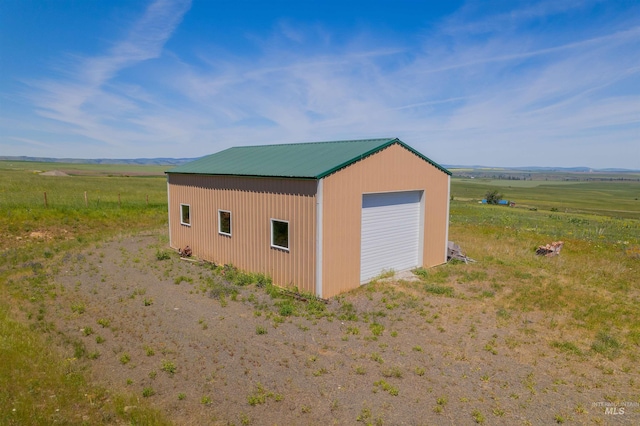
x: 101, y: 323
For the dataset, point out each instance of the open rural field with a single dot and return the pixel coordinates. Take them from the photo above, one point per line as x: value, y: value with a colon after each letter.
x: 100, y: 323
x: 77, y: 169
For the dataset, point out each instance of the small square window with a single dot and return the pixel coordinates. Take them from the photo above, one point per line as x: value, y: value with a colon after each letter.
x: 224, y: 222
x: 185, y: 215
x: 280, y: 234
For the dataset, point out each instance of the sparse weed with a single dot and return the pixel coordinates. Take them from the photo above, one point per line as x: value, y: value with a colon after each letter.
x: 377, y: 358
x: 382, y: 384
x: 352, y: 329
x: 478, y: 417
x: 607, y: 345
x: 260, y: 395
x: 168, y: 366
x: 439, y: 289
x: 78, y: 308
x: 162, y: 254
x: 104, y: 322
x: 180, y: 279
x: 392, y: 372
x: 376, y: 329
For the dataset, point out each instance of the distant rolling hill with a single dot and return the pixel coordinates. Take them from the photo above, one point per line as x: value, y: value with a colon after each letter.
x: 542, y: 169
x: 136, y: 161
x: 177, y: 161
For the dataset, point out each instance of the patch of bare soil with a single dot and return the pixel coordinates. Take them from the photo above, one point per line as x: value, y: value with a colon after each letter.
x: 391, y: 353
x: 54, y: 173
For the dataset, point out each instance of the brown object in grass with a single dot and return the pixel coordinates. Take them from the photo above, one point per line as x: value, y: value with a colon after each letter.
x: 186, y: 252
x: 552, y: 249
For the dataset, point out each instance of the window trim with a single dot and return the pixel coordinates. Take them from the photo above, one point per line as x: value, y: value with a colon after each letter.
x: 220, y: 231
x: 182, y: 222
x: 273, y: 245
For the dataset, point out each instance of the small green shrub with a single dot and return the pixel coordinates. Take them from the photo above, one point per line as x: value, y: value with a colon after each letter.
x: 478, y: 417
x: 163, y: 254
x: 104, y: 322
x: 376, y: 329
x: 377, y: 358
x: 125, y: 358
x: 181, y: 279
x: 168, y: 366
x: 78, y: 308
x: 439, y: 289
x: 607, y: 345
x: 566, y: 347
x: 287, y: 308
x: 360, y: 370
x: 386, y: 387
x: 392, y: 372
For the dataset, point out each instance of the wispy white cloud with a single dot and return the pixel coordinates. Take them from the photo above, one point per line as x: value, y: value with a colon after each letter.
x: 83, y: 97
x: 506, y: 98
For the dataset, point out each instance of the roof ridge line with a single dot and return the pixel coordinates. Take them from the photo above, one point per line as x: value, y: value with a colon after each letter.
x: 317, y: 143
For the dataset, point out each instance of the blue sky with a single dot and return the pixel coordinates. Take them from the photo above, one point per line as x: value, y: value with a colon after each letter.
x: 499, y: 83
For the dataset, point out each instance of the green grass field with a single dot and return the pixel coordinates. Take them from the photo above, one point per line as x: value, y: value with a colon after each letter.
x: 591, y: 289
x: 31, y: 369
x: 611, y: 199
x: 36, y: 167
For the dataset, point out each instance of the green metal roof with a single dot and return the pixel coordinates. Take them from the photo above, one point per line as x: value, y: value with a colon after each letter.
x: 300, y: 160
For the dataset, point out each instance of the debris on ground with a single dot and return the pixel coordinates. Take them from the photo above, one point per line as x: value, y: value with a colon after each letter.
x: 455, y: 252
x: 552, y: 249
x: 186, y: 252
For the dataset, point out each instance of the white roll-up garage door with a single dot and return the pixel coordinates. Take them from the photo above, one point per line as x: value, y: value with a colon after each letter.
x: 390, y: 236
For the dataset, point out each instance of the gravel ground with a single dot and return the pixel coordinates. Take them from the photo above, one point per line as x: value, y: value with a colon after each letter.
x: 389, y: 353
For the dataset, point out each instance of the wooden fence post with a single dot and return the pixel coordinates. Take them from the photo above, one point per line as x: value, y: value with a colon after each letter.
x: 147, y: 199
x: 86, y: 202
x: 46, y: 204
x: 119, y: 205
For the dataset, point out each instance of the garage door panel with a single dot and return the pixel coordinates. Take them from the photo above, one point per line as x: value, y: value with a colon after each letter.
x: 390, y: 232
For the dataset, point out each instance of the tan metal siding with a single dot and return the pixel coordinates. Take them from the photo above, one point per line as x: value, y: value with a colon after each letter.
x: 392, y: 169
x: 253, y: 202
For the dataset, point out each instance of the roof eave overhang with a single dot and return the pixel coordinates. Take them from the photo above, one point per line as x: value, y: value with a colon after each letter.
x: 243, y: 175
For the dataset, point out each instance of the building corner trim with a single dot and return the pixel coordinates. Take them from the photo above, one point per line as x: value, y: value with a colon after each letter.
x: 446, y: 235
x: 319, y: 238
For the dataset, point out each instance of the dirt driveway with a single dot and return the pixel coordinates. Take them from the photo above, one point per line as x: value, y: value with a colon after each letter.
x: 207, y: 352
